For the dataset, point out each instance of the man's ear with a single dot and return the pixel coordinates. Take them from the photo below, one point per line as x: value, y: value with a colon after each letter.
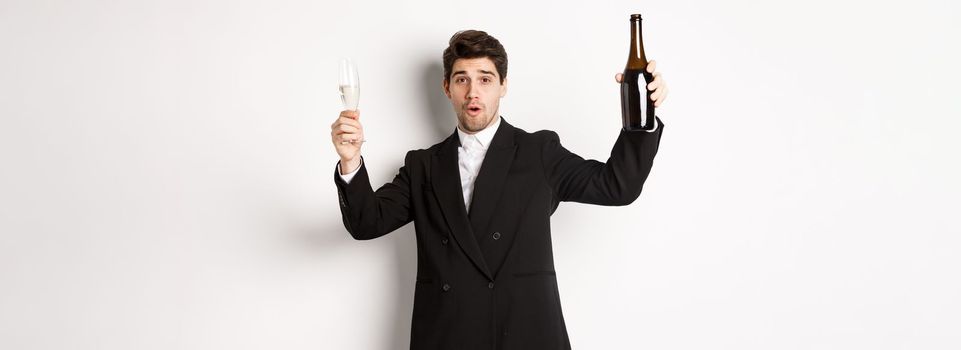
x: 447, y: 88
x: 504, y: 88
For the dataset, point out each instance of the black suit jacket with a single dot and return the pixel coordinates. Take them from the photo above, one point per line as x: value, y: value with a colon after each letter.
x: 486, y: 280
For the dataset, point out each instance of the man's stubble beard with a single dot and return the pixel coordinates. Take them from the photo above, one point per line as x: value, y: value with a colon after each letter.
x: 463, y: 120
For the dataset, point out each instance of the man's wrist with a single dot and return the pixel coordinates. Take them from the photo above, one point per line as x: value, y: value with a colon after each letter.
x: 348, y: 166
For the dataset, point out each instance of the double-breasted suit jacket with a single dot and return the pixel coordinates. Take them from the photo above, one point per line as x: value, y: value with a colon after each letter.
x: 485, y: 276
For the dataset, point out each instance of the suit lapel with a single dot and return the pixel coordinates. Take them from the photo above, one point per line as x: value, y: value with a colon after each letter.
x: 490, y: 181
x: 445, y: 179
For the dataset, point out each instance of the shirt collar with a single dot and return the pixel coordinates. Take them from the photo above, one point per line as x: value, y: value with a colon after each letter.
x: 483, y: 137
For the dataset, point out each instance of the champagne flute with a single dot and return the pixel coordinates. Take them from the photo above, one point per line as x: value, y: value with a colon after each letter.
x: 349, y: 87
x: 349, y: 84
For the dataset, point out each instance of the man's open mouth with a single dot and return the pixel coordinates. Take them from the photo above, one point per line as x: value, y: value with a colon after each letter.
x: 473, y: 109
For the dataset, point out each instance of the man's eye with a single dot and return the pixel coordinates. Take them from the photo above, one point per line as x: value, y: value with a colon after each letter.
x: 486, y: 80
x: 460, y: 80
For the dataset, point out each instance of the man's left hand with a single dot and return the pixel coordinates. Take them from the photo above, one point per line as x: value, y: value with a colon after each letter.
x: 658, y: 86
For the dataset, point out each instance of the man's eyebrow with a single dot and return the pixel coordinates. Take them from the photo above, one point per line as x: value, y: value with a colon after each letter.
x: 479, y: 70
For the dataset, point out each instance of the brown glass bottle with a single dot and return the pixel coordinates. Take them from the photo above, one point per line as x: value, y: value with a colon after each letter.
x: 637, y: 108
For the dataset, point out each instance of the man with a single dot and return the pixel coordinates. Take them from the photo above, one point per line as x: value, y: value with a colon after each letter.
x: 481, y: 202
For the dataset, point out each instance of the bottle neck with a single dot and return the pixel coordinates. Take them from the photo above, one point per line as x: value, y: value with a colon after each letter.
x: 637, y: 59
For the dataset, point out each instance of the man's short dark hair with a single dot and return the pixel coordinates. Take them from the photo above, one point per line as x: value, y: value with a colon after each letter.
x: 475, y: 44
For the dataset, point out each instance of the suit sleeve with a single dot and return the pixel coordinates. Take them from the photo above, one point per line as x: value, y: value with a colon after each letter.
x: 617, y: 182
x: 369, y: 214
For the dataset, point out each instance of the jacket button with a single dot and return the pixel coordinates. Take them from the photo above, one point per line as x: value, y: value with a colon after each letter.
x: 497, y: 235
x: 490, y: 285
x: 446, y: 287
x: 444, y: 241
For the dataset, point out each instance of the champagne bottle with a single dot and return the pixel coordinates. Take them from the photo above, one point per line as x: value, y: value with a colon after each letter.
x: 637, y: 108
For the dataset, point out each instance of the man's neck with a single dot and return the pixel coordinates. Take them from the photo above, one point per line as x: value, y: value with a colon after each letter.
x: 485, y: 136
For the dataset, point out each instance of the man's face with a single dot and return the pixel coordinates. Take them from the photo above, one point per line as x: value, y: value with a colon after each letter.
x: 475, y: 91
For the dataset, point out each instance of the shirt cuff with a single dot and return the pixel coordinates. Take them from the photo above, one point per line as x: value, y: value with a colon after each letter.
x: 656, y: 124
x: 347, y: 177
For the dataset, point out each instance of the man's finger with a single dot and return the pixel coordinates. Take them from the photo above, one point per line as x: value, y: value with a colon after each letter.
x: 338, y: 132
x: 618, y: 77
x: 659, y: 96
x: 348, y: 128
x: 651, y: 66
x: 347, y: 121
x: 355, y: 115
x: 346, y: 137
x: 660, y: 100
x: 657, y: 93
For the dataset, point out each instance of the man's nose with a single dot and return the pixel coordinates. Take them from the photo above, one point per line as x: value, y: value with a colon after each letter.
x: 472, y: 91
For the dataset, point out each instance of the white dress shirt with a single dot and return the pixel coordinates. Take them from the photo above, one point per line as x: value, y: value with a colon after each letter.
x: 470, y: 157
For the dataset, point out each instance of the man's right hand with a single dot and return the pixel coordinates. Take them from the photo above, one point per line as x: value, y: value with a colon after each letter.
x: 347, y: 135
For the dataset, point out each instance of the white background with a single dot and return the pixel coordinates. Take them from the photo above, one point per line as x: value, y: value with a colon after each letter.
x: 167, y: 173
